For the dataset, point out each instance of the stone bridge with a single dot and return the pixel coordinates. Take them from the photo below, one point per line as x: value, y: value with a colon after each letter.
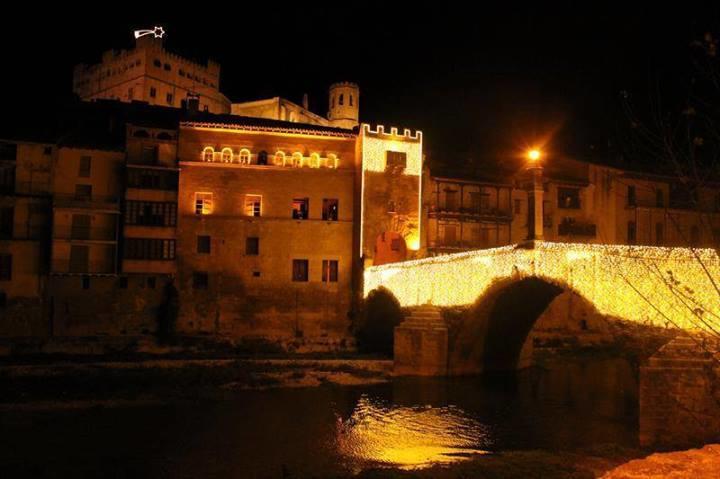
x: 484, y: 309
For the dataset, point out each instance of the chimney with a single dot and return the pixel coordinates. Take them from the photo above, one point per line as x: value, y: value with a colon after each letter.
x: 305, y: 101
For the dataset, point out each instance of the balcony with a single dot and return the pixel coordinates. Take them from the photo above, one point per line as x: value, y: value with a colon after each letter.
x: 577, y: 229
x: 66, y: 266
x: 479, y: 212
x: 95, y: 202
x: 75, y: 233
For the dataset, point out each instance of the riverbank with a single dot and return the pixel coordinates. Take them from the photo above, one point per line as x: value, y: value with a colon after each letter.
x: 124, y: 383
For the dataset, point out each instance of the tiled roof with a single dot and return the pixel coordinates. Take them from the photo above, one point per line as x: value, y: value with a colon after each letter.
x: 261, y: 124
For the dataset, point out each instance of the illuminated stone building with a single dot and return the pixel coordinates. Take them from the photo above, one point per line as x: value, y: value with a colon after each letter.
x: 151, y: 74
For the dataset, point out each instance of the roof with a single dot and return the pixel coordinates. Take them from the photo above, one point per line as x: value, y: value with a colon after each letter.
x: 262, y: 124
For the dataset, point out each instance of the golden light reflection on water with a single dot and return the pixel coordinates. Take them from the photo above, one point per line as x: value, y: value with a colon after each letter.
x: 408, y: 437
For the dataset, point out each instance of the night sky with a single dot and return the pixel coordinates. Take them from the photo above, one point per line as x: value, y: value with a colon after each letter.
x: 481, y: 82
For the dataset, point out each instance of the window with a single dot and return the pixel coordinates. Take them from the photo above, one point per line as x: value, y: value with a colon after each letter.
x: 83, y: 192
x: 79, y: 259
x: 167, y: 67
x: 130, y: 94
x: 123, y: 282
x: 659, y: 198
x: 203, y: 203
x: 163, y: 135
x: 181, y: 72
x: 5, y: 267
x: 86, y: 282
x: 301, y: 207
x: 169, y: 98
x: 252, y: 246
x: 450, y: 235
x: 150, y: 213
x: 297, y: 160
x: 203, y: 244
x: 329, y: 271
x: 330, y: 209
x: 80, y: 229
x: 341, y: 101
x: 631, y: 196
x: 331, y: 161
x: 518, y: 207
x: 200, y: 280
x: 450, y: 200
x: 7, y: 217
x: 141, y: 134
x: 279, y: 158
x: 253, y: 205
x: 300, y: 270
x: 157, y: 63
x: 314, y: 160
x: 396, y: 159
x: 151, y: 282
x: 152, y: 179
x: 227, y: 155
x: 569, y: 198
x: 256, y: 274
x: 153, y: 92
x: 351, y: 100
x: 659, y: 240
x: 475, y: 201
x: 84, y: 169
x: 149, y: 249
x: 245, y: 156
x: 208, y: 153
x: 631, y: 232
x: 149, y: 154
x: 262, y: 158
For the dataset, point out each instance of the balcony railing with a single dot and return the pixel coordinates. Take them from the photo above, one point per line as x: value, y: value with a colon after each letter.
x: 65, y: 266
x: 90, y: 202
x: 478, y: 211
x: 577, y: 229
x: 68, y: 232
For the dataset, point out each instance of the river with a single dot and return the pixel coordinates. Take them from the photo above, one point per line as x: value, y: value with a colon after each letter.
x: 332, y: 430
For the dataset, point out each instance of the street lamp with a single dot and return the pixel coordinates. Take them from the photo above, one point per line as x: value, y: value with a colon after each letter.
x: 534, y: 164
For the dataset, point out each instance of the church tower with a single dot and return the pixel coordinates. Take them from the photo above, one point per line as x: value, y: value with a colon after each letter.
x: 344, y: 101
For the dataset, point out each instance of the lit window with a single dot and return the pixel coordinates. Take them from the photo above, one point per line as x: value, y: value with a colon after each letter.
x: 301, y: 208
x: 331, y: 161
x: 227, y: 155
x: 329, y: 271
x: 203, y: 203
x: 297, y: 159
x: 245, y: 156
x: 253, y: 205
x: 279, y: 158
x: 314, y: 160
x: 396, y: 159
x: 208, y: 153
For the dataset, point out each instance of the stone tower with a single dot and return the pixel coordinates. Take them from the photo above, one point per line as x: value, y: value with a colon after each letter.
x: 344, y: 101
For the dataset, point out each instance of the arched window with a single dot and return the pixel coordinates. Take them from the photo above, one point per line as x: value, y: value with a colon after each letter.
x: 245, y: 156
x: 351, y: 100
x: 279, y: 158
x: 227, y: 155
x: 141, y: 134
x: 297, y: 159
x: 208, y: 153
x: 314, y: 160
x: 262, y: 158
x: 341, y: 101
x: 332, y: 102
x: 331, y: 161
x: 164, y: 136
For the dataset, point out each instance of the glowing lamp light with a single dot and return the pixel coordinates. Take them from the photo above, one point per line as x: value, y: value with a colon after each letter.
x: 413, y: 243
x: 534, y: 155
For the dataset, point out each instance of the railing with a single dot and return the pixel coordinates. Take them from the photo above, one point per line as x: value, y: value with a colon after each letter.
x: 77, y: 267
x: 92, y: 202
x: 478, y: 211
x: 577, y: 229
x: 69, y: 232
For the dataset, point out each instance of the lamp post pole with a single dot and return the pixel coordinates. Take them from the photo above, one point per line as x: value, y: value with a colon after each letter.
x: 535, y: 167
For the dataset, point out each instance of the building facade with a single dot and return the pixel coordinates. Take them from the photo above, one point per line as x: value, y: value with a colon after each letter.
x: 149, y: 73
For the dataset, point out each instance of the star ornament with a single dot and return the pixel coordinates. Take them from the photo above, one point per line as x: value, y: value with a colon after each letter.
x: 157, y: 32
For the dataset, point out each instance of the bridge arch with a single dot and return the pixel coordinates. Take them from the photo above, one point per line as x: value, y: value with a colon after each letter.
x: 496, y: 332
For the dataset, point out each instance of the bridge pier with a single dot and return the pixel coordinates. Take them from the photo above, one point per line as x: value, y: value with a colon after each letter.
x: 679, y: 396
x: 421, y: 343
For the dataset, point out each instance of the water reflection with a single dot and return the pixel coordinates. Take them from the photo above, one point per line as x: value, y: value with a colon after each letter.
x: 408, y: 437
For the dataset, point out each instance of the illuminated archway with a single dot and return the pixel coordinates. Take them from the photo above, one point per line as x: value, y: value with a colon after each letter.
x: 208, y: 153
